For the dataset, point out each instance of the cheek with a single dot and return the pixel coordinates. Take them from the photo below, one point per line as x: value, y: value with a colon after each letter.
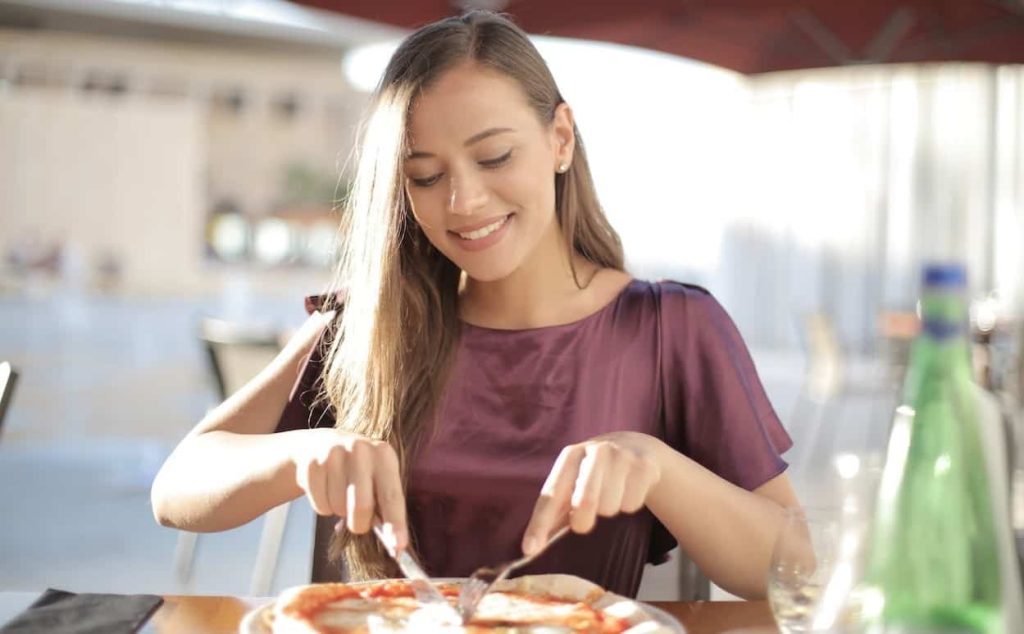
x: 425, y: 211
x: 531, y: 188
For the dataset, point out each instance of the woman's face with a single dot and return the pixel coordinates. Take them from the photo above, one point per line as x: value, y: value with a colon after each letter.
x: 480, y: 174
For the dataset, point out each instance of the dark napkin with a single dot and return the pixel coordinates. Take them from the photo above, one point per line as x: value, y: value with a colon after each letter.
x: 60, y: 612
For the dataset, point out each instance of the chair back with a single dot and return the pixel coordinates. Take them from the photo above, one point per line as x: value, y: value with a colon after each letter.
x: 823, y: 373
x: 8, y: 379
x: 324, y: 570
x: 236, y: 353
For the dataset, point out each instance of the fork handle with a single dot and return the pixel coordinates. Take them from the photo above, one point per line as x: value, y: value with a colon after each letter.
x: 559, y: 534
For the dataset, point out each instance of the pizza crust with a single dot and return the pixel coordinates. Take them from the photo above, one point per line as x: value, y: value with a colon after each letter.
x: 578, y: 589
x: 294, y: 603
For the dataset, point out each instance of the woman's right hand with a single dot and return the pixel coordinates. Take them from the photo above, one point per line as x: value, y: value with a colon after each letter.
x: 354, y: 478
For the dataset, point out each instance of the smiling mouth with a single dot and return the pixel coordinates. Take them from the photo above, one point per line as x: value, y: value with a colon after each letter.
x: 483, y: 232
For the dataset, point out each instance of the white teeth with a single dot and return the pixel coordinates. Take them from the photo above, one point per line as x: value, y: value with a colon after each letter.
x: 483, y: 231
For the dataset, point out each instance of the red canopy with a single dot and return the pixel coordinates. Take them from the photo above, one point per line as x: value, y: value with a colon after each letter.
x: 754, y: 36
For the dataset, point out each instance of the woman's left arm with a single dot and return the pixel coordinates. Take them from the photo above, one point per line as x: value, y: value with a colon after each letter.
x: 729, y: 532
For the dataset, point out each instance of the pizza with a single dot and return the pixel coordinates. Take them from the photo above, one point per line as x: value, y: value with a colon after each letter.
x: 532, y: 604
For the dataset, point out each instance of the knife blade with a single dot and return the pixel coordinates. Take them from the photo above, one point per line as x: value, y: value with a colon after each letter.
x: 425, y: 591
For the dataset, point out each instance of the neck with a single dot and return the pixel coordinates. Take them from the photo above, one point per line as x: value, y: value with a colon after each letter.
x: 541, y: 292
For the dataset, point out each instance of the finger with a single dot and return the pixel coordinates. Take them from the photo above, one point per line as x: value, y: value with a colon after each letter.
x: 553, y: 502
x: 614, y: 483
x: 335, y: 481
x: 359, y: 493
x: 387, y: 483
x: 316, y: 489
x: 587, y: 491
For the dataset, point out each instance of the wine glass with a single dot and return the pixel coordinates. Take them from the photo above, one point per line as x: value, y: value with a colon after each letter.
x: 804, y: 558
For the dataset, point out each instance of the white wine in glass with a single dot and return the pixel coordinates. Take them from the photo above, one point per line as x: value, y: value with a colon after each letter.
x: 802, y: 563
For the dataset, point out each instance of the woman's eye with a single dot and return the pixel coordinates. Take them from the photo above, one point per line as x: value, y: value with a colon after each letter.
x: 488, y: 163
x: 496, y: 162
x: 425, y: 182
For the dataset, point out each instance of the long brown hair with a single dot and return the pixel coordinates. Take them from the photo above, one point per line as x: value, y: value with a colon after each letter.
x: 389, y: 359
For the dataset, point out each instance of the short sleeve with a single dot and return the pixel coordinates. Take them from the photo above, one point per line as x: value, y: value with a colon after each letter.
x: 306, y: 408
x: 716, y: 410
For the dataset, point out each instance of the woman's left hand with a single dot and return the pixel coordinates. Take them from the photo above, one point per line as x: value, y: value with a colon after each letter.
x: 606, y: 475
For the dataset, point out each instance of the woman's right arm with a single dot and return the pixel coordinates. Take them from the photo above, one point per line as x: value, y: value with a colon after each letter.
x: 232, y: 467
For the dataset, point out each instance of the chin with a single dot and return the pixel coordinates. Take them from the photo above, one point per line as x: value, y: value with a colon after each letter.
x: 491, y: 272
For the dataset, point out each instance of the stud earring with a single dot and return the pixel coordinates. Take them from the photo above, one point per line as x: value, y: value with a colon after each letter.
x: 563, y: 168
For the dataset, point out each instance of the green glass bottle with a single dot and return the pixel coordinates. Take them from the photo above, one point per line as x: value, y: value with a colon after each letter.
x: 932, y: 564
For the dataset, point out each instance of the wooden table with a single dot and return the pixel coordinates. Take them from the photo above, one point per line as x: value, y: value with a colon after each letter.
x: 722, y: 617
x: 221, y: 615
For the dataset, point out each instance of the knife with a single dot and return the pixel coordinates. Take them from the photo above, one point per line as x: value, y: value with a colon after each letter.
x: 425, y: 591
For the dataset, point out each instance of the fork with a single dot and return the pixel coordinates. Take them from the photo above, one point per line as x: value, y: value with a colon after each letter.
x: 481, y: 581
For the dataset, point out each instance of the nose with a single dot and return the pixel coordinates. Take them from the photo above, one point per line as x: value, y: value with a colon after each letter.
x: 468, y: 194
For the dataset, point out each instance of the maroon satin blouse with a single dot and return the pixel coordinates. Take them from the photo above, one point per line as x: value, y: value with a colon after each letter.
x: 662, y: 358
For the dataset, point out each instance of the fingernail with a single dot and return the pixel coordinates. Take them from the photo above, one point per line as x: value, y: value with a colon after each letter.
x: 339, y: 526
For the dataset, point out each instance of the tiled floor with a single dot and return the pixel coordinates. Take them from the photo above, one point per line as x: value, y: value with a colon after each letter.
x: 107, y: 389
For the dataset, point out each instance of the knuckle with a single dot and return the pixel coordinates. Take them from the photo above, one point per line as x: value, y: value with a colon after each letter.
x: 360, y: 450
x: 571, y: 451
x: 649, y: 468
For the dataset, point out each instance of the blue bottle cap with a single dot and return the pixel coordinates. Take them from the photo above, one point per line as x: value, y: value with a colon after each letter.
x: 945, y: 275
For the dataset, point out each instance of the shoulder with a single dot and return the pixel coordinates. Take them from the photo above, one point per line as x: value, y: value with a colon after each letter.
x: 674, y: 299
x: 681, y: 291
x: 678, y: 311
x: 688, y: 314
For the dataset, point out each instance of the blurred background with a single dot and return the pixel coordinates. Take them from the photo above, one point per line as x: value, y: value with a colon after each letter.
x: 168, y: 175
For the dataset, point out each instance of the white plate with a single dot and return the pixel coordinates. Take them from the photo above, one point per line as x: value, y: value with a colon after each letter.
x: 254, y: 623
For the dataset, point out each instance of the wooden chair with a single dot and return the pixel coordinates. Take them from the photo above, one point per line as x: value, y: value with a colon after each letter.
x: 236, y: 354
x: 8, y: 379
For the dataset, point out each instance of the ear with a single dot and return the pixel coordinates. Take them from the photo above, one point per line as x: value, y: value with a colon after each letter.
x: 563, y: 135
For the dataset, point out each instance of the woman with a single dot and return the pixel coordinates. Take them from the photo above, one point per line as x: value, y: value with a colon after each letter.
x: 493, y: 372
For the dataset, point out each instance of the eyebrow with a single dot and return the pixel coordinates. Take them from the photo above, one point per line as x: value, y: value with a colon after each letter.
x: 476, y: 138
